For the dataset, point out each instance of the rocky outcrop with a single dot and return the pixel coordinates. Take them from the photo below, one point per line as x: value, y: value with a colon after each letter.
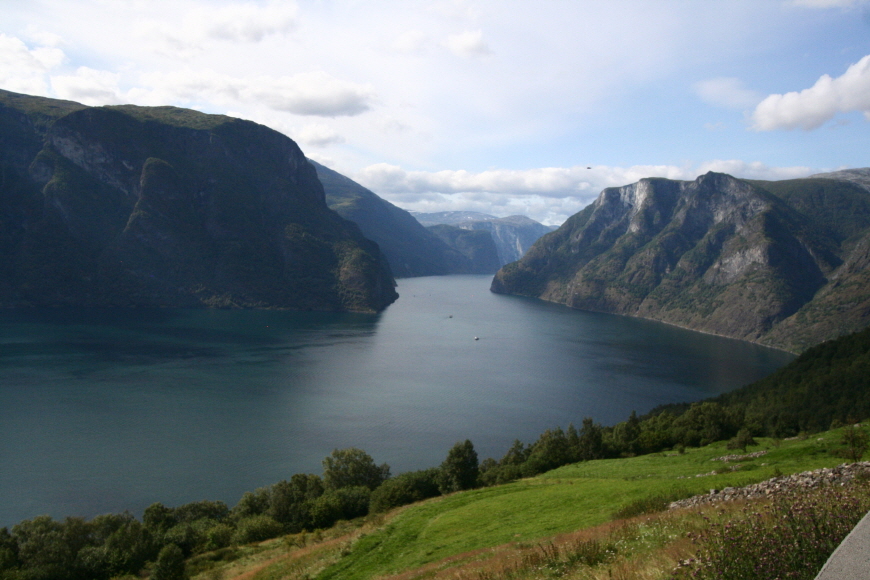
x: 159, y: 206
x: 779, y: 263
x: 829, y: 476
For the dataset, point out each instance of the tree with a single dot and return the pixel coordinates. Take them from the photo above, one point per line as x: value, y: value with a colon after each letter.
x: 352, y: 467
x: 404, y: 489
x: 591, y: 441
x: 460, y: 470
x: 291, y: 501
x: 169, y: 564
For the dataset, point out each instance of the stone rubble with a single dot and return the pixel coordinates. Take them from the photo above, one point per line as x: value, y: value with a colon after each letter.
x: 840, y: 475
x: 752, y: 455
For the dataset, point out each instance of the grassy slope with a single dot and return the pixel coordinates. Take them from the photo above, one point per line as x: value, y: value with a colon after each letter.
x: 563, y: 500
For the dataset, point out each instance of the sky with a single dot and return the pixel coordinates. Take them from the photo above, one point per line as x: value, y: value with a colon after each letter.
x: 499, y: 106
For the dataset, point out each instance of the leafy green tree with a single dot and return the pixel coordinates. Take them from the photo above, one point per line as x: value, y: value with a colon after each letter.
x: 291, y: 501
x: 550, y: 451
x: 345, y: 503
x: 8, y: 551
x: 158, y: 519
x: 256, y: 529
x: 169, y: 564
x: 352, y: 467
x: 252, y: 503
x: 47, y: 549
x: 460, y: 470
x: 406, y: 488
x: 591, y: 441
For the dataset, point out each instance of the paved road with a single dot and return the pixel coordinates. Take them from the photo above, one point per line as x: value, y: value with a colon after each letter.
x: 851, y: 560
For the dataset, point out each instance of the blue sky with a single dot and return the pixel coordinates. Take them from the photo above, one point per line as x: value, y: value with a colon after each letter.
x: 499, y: 106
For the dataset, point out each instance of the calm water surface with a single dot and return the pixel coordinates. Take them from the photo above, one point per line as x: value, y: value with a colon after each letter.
x: 112, y: 410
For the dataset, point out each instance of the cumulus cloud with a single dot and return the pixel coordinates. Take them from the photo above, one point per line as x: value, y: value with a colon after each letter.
x: 245, y: 22
x: 549, y: 195
x: 88, y: 86
x: 468, y: 44
x: 313, y: 93
x: 812, y: 107
x: 24, y: 70
x: 727, y: 92
x: 317, y: 136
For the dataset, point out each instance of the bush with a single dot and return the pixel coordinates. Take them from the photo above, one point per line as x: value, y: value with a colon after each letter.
x: 791, y: 537
x: 406, y: 488
x: 256, y: 529
x: 341, y: 504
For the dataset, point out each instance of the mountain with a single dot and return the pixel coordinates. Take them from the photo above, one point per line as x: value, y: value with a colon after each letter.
x: 783, y: 263
x: 513, y: 235
x: 477, y: 246
x: 410, y: 248
x: 451, y: 218
x: 161, y: 206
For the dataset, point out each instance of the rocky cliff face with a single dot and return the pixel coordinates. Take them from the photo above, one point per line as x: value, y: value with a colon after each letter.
x: 781, y: 263
x: 135, y: 206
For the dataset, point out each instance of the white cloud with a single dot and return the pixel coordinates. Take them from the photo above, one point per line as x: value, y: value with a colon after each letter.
x: 812, y: 107
x: 247, y: 22
x: 312, y: 93
x: 468, y: 44
x: 549, y: 194
x: 727, y: 92
x: 24, y: 70
x: 88, y: 86
x: 317, y: 136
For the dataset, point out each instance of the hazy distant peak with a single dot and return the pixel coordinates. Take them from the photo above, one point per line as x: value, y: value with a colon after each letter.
x: 860, y: 176
x: 451, y: 218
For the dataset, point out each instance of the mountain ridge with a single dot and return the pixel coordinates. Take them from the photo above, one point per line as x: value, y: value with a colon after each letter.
x: 769, y: 262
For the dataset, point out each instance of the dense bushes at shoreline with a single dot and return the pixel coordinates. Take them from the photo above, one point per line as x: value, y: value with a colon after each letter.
x: 827, y: 385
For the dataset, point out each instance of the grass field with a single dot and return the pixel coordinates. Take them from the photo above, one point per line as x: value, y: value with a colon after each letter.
x: 534, y: 513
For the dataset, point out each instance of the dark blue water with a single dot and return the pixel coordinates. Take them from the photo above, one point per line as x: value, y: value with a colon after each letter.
x: 111, y: 410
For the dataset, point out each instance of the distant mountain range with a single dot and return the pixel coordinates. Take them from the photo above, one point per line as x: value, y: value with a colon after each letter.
x: 783, y: 263
x: 161, y: 206
x: 411, y: 249
x: 513, y: 235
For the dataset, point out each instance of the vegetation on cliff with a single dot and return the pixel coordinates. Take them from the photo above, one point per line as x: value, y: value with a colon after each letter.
x: 781, y: 263
x: 160, y: 206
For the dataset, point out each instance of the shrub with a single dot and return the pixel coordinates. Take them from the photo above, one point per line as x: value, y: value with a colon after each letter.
x: 341, y: 504
x: 791, y: 537
x: 256, y: 529
x: 406, y: 488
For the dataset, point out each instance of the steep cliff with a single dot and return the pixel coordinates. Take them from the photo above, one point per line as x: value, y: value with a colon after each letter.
x: 477, y: 246
x: 160, y: 206
x: 781, y: 263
